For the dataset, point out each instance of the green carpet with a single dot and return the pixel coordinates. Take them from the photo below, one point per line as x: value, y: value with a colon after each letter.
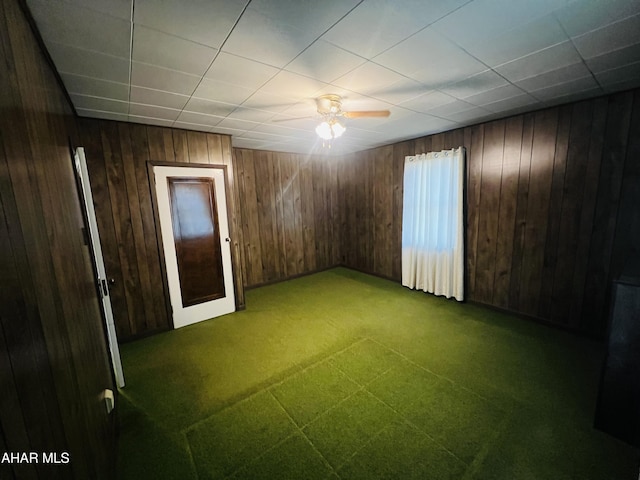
x: 341, y: 375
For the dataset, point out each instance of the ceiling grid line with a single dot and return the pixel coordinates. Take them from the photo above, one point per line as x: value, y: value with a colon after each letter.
x: 236, y: 66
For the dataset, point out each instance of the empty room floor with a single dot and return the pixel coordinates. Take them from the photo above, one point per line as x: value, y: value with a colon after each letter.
x: 340, y: 375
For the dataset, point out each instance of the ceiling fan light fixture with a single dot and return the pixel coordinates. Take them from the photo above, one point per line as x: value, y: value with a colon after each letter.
x: 328, y: 130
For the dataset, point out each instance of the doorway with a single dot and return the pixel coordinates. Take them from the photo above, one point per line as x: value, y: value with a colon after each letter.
x: 192, y: 212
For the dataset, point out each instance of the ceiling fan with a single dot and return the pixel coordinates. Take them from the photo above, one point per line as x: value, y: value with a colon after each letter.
x: 329, y: 107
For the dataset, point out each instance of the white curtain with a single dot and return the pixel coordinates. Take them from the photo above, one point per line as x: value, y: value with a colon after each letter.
x: 432, y: 223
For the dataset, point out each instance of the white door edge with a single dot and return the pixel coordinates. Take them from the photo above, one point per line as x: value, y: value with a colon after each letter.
x: 112, y: 338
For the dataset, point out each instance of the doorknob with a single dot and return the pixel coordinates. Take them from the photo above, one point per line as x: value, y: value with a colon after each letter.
x: 227, y: 239
x: 112, y: 281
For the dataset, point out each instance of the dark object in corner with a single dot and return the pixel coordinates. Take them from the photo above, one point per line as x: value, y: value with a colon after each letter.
x: 618, y: 410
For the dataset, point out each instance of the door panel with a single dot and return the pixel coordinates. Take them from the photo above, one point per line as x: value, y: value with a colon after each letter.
x: 197, y: 238
x: 192, y: 210
x: 82, y: 172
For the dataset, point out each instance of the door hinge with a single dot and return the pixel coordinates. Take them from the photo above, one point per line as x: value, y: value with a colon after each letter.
x: 104, y: 289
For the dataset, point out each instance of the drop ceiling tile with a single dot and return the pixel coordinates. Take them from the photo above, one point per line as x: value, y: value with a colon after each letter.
x: 115, y: 8
x: 206, y: 22
x: 554, y: 77
x: 546, y: 60
x: 498, y: 93
x: 265, y: 137
x: 153, y: 111
x: 473, y: 23
x: 191, y: 126
x: 355, y: 102
x: 368, y: 78
x: 626, y: 84
x: 199, y: 118
x: 86, y: 102
x: 301, y: 124
x: 267, y: 101
x: 429, y: 101
x: 573, y: 97
x: 264, y: 39
x: 95, y: 87
x: 226, y: 131
x: 475, y: 84
x: 277, y: 129
x: 91, y: 64
x: 312, y: 17
x: 614, y: 59
x: 441, y: 62
x: 150, y: 121
x: 510, y: 104
x: 419, y: 125
x: 357, y: 138
x: 334, y: 89
x: 568, y: 88
x: 474, y: 115
x: 168, y: 51
x: 324, y: 61
x: 626, y: 73
x: 222, y: 92
x: 450, y: 108
x: 380, y: 125
x: 150, y: 96
x: 583, y: 16
x: 240, y: 71
x: 238, y: 124
x: 401, y: 91
x: 292, y: 86
x: 516, y: 43
x: 208, y: 107
x: 151, y: 76
x: 615, y: 36
x: 392, y: 22
x: 81, y: 27
x: 83, y: 112
x: 252, y: 114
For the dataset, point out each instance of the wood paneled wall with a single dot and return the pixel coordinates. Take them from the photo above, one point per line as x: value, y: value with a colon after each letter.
x: 288, y: 203
x: 53, y: 355
x: 552, y: 208
x: 117, y: 156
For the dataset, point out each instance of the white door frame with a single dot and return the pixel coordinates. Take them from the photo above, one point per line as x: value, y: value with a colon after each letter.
x: 80, y: 162
x: 183, y: 316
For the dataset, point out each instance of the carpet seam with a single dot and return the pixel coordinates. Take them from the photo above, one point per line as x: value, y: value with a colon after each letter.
x: 440, y: 376
x: 267, y: 387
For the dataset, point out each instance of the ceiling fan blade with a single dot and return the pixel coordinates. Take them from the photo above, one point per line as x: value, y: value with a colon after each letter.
x: 293, y: 119
x: 367, y: 113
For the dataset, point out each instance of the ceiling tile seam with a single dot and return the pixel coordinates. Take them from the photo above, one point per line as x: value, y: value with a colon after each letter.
x: 334, y: 45
x: 322, y: 34
x: 493, y: 69
x: 103, y: 111
x: 53, y: 42
x: 582, y: 59
x: 438, y: 87
x: 412, y: 35
x: 319, y: 37
x: 96, y: 11
x: 89, y: 77
x: 218, y: 52
x: 133, y: 6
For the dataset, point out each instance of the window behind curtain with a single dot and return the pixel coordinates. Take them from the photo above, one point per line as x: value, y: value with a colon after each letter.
x: 432, y: 223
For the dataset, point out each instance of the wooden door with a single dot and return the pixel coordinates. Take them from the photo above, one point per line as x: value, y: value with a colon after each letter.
x: 195, y: 236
